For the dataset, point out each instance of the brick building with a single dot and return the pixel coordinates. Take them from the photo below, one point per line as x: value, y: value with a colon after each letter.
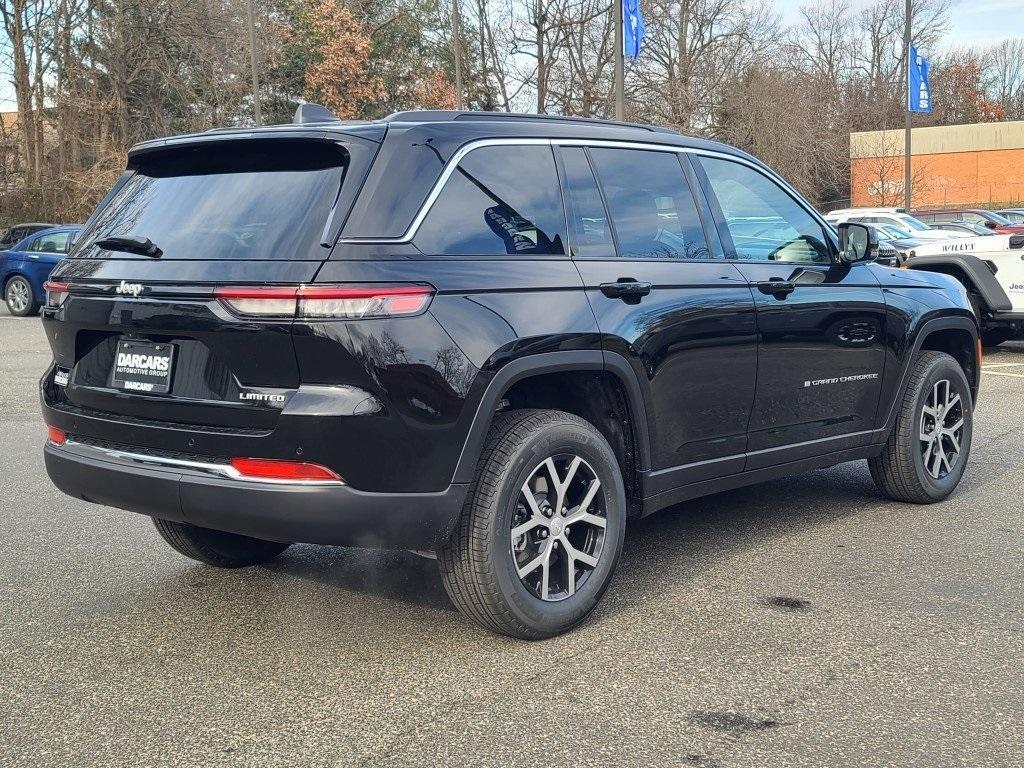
x: 980, y: 165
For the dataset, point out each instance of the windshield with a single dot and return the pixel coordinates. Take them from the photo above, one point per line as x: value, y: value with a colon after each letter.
x: 246, y: 200
x: 913, y: 224
x: 894, y: 232
x: 1000, y: 220
x: 1016, y: 217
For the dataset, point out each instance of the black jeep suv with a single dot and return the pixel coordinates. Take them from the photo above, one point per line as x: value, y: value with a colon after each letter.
x: 490, y: 337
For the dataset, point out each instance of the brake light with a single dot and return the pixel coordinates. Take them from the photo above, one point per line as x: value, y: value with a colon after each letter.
x: 277, y: 469
x: 355, y: 302
x: 56, y: 293
x: 56, y: 436
x: 347, y: 302
x: 259, y: 302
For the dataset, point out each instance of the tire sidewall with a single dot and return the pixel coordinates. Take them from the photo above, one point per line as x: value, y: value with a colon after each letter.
x: 942, y: 368
x: 586, y: 442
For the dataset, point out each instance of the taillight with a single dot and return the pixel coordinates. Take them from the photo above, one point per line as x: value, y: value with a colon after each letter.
x: 259, y: 302
x: 56, y: 293
x: 56, y: 436
x: 276, y: 469
x: 345, y: 302
x: 354, y: 302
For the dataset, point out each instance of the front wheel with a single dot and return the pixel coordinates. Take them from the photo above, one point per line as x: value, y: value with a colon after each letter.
x: 18, y: 296
x: 217, y: 548
x: 927, y: 451
x: 542, y: 529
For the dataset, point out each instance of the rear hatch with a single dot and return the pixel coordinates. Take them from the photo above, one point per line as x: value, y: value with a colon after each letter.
x: 137, y: 316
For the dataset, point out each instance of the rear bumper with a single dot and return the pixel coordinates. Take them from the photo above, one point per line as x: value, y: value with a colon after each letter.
x: 316, y: 513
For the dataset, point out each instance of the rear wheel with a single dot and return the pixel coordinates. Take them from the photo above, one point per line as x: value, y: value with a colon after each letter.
x: 19, y: 297
x: 928, y: 448
x: 542, y: 529
x: 218, y: 548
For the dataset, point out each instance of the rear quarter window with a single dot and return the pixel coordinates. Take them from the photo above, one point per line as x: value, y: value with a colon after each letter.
x: 499, y: 201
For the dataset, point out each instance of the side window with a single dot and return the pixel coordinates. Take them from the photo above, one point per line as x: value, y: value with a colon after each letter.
x: 55, y: 243
x: 972, y: 218
x: 502, y: 200
x: 588, y: 220
x: 764, y: 222
x: 651, y: 204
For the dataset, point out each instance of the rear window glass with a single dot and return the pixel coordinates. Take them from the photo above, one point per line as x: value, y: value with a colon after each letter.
x: 502, y: 200
x: 262, y: 200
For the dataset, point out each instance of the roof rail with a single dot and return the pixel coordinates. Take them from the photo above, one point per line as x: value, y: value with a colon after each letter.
x: 437, y: 115
x: 313, y: 113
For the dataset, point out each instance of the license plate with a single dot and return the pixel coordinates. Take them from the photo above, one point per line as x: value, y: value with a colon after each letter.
x: 141, y: 366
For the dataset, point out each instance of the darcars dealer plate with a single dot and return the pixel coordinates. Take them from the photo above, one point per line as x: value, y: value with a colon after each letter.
x: 141, y: 366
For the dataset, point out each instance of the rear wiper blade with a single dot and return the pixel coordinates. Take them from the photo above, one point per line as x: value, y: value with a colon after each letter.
x: 131, y: 244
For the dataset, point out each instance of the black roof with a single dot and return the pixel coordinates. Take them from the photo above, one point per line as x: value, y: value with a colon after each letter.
x: 312, y: 120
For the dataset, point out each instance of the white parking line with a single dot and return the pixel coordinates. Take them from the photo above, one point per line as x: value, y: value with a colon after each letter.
x: 1001, y: 365
x: 1004, y: 373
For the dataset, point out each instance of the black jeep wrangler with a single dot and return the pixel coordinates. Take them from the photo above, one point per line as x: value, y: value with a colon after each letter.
x: 490, y: 337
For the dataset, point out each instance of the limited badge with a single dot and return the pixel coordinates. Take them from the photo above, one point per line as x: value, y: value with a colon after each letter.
x: 60, y: 377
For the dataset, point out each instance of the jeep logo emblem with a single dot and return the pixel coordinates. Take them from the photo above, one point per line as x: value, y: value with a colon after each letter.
x: 129, y: 289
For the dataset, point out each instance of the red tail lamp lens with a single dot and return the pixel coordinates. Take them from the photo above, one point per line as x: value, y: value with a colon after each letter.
x: 258, y: 301
x: 354, y: 302
x: 342, y: 302
x: 56, y: 293
x: 56, y: 436
x: 276, y: 469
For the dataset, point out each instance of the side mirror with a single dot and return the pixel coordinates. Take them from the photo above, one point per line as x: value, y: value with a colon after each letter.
x: 991, y: 224
x: 857, y: 243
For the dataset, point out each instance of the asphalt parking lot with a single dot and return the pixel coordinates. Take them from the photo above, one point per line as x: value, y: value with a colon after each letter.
x: 805, y: 622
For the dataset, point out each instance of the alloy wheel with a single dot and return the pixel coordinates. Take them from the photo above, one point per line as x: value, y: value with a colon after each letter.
x: 558, y: 528
x: 18, y: 297
x: 942, y: 425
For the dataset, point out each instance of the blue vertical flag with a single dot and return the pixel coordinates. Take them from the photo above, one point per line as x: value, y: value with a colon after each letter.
x: 633, y: 27
x: 919, y: 90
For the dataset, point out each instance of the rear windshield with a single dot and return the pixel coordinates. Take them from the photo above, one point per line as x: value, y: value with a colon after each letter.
x: 249, y: 200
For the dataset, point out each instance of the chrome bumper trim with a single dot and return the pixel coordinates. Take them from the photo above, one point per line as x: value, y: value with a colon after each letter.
x: 131, y: 458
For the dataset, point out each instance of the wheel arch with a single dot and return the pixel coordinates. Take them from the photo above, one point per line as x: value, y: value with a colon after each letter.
x: 972, y: 272
x: 958, y: 337
x: 600, y: 387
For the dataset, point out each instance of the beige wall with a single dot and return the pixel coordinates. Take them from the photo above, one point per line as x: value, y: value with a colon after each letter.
x: 980, y: 164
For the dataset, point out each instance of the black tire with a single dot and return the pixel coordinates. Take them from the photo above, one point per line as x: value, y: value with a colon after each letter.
x: 218, y: 548
x: 900, y: 471
x: 479, y: 563
x: 19, y: 297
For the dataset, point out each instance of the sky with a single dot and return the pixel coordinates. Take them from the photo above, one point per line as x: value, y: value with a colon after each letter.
x: 972, y: 23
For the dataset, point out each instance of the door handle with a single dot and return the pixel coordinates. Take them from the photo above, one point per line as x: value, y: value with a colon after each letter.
x: 776, y: 287
x: 625, y: 288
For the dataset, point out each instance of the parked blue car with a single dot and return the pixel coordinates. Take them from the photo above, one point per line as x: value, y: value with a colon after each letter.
x: 25, y: 267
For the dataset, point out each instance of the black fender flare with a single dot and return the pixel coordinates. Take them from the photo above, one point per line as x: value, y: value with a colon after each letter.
x: 923, y: 332
x: 553, y: 362
x: 977, y: 272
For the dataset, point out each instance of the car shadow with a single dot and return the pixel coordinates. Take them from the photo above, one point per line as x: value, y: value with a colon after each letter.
x: 681, y: 540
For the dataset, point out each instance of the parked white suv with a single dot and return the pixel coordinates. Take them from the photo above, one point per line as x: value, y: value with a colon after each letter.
x: 896, y: 217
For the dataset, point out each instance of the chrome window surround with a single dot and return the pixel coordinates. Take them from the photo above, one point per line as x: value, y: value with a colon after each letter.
x: 464, y: 150
x: 134, y: 459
